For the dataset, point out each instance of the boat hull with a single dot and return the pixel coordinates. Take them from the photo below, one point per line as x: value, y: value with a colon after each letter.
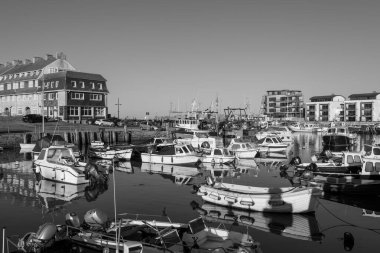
x: 284, y: 200
x: 188, y: 160
x: 63, y: 174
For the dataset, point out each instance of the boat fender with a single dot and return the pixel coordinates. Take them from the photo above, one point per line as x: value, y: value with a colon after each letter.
x: 247, y: 220
x: 214, y: 213
x: 210, y: 181
x: 205, y: 144
x: 247, y: 202
x: 230, y: 200
x: 38, y: 169
x: 214, y: 196
x: 307, y: 174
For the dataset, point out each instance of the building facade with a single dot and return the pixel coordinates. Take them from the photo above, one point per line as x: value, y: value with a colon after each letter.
x: 54, y: 85
x: 364, y: 107
x: 283, y: 104
x: 325, y: 108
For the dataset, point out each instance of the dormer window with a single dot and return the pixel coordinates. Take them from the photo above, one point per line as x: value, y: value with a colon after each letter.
x: 56, y: 84
x: 74, y: 83
x: 100, y: 86
x: 82, y: 84
x: 93, y: 85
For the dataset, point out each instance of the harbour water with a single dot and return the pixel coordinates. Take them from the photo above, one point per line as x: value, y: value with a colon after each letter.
x: 340, y: 223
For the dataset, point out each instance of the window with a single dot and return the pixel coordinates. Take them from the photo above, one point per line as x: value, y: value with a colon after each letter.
x: 92, y: 85
x: 86, y: 111
x: 77, y: 96
x: 96, y: 97
x: 369, y: 167
x: 350, y: 159
x: 15, y: 85
x: 19, y: 111
x: 74, y: 83
x: 73, y: 111
x: 22, y: 85
x: 376, y: 151
x: 52, y: 96
x: 377, y: 167
x: 99, y: 111
x: 100, y: 86
x: 1, y: 87
x: 56, y: 84
x: 82, y: 84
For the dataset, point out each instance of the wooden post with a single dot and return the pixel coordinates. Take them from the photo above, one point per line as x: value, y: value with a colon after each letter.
x: 114, y: 137
x: 76, y: 133
x: 66, y: 136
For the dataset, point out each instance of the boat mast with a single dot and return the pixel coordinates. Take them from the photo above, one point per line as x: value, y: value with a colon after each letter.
x: 43, y: 105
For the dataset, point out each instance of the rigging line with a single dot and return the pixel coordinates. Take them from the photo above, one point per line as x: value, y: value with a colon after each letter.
x: 348, y: 223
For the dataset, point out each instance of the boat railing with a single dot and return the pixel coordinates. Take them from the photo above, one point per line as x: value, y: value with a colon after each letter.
x: 136, y: 216
x: 11, y: 243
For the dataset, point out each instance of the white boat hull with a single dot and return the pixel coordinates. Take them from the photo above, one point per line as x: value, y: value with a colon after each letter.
x: 63, y: 174
x: 170, y: 159
x: 284, y: 200
x: 249, y: 154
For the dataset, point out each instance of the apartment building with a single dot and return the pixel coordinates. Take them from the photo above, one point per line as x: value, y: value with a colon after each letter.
x: 283, y: 104
x: 363, y: 107
x: 54, y: 85
x: 325, y: 108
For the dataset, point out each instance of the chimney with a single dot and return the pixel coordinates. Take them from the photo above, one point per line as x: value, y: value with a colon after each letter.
x: 37, y: 59
x: 49, y: 57
x: 61, y: 56
x: 27, y: 61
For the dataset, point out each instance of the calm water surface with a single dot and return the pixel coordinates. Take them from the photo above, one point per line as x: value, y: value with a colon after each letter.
x: 25, y: 203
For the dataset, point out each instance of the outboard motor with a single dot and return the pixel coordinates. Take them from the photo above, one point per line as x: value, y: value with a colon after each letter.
x: 72, y: 219
x: 95, y: 173
x: 35, y: 242
x: 96, y: 219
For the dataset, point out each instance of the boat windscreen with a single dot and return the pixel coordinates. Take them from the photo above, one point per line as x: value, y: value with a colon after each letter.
x: 197, y: 225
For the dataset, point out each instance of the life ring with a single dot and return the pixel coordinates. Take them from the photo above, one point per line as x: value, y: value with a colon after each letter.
x: 205, y: 144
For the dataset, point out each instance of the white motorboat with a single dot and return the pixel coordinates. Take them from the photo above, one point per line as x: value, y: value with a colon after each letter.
x: 200, y: 139
x: 262, y: 199
x: 305, y: 127
x: 217, y: 156
x: 174, y: 154
x: 272, y: 143
x: 283, y: 132
x: 242, y: 149
x: 58, y: 163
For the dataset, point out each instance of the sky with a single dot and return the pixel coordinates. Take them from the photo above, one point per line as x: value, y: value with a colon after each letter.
x: 162, y: 54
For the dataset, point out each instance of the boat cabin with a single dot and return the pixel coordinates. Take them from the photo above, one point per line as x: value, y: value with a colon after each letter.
x: 371, y: 167
x: 371, y: 151
x: 234, y: 146
x: 57, y: 154
x: 217, y: 152
x: 173, y: 149
x: 270, y: 140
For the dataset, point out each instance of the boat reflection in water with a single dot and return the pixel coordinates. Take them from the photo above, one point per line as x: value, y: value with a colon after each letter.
x: 55, y: 195
x: 219, y: 172
x: 370, y: 205
x: 180, y: 175
x: 271, y: 161
x: 297, y: 226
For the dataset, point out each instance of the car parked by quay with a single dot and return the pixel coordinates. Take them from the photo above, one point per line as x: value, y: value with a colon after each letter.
x: 104, y: 122
x: 33, y: 118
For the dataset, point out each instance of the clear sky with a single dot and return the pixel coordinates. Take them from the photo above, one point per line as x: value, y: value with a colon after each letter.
x: 157, y: 52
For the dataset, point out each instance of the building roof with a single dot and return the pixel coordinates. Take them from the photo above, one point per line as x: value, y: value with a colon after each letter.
x: 371, y: 95
x: 324, y: 97
x: 77, y: 75
x: 22, y: 67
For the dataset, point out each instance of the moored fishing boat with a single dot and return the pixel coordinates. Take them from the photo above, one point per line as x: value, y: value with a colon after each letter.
x: 283, y: 132
x: 217, y: 156
x: 262, y: 199
x: 365, y: 182
x: 304, y: 127
x: 272, y: 144
x: 349, y: 162
x: 174, y: 154
x: 58, y: 163
x: 242, y: 149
